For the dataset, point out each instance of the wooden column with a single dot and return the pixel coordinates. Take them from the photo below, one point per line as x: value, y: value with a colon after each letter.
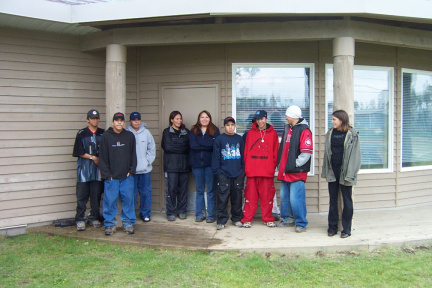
x: 343, y: 87
x: 115, y: 81
x: 343, y: 71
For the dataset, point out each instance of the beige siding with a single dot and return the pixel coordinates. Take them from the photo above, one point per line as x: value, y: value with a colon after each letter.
x: 46, y: 88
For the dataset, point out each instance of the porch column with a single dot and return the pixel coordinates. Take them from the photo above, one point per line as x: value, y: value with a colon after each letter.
x: 343, y: 75
x: 115, y: 81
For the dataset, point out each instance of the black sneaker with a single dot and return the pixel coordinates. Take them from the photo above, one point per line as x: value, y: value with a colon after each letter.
x: 199, y: 219
x: 110, y: 230
x: 182, y: 216
x: 210, y: 220
x: 171, y: 218
x: 220, y: 226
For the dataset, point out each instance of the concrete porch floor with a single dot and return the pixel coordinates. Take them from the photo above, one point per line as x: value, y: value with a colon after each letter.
x: 372, y: 229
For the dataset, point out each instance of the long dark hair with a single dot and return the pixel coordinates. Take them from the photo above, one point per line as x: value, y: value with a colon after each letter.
x: 211, y: 128
x: 342, y: 116
x: 172, y: 116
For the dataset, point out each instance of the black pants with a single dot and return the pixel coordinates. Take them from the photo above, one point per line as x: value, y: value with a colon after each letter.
x: 176, y: 196
x: 84, y: 191
x: 229, y: 188
x: 348, y: 209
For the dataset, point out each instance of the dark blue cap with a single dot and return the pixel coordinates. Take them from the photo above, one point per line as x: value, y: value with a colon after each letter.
x: 135, y: 115
x: 260, y: 114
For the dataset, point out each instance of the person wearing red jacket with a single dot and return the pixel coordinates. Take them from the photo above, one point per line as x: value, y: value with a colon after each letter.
x: 260, y: 156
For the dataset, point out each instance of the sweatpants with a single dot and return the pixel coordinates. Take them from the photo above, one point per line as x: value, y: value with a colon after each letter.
x: 89, y: 190
x: 259, y: 188
x: 176, y: 193
x: 226, y: 189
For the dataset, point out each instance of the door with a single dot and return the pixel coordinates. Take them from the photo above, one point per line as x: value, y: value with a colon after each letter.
x: 189, y: 99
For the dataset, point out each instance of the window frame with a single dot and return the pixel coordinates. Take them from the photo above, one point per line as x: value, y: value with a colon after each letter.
x: 312, y: 79
x: 391, y: 111
x: 416, y: 168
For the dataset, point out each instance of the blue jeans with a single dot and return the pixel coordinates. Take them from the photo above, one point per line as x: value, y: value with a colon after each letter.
x: 293, y: 202
x: 144, y: 188
x: 202, y: 177
x: 112, y: 190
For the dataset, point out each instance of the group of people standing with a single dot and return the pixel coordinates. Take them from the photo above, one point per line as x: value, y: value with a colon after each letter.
x: 219, y: 164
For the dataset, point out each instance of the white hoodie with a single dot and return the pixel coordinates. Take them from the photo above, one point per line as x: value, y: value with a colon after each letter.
x: 145, y: 148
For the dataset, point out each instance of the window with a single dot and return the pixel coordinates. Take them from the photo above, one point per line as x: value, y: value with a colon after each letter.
x: 416, y: 119
x: 272, y: 87
x: 373, y: 111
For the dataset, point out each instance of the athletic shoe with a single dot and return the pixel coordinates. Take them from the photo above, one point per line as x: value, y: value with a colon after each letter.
x: 300, y: 229
x: 129, y: 229
x: 171, y: 218
x: 199, y: 219
x: 80, y: 226
x: 270, y: 224
x: 210, y: 220
x: 146, y: 219
x: 247, y: 225
x: 182, y: 216
x: 110, y: 230
x: 96, y: 223
x: 285, y: 224
x: 220, y: 226
x: 238, y: 224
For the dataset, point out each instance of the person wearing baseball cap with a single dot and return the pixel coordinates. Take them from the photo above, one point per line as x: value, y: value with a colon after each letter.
x: 89, y: 183
x: 118, y: 163
x: 294, y: 160
x: 146, y: 154
x: 260, y: 158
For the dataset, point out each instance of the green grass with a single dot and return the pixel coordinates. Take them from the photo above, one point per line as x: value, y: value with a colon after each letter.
x: 39, y: 260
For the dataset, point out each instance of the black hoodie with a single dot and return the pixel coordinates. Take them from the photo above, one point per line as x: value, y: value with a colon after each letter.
x: 117, y: 154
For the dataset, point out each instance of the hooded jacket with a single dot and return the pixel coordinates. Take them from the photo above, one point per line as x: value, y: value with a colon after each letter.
x: 117, y: 154
x: 145, y: 148
x: 261, y: 157
x: 351, y: 160
x: 176, y: 150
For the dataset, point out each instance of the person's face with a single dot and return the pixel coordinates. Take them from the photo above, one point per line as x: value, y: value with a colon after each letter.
x: 291, y: 121
x: 177, y: 121
x: 337, y: 123
x: 262, y: 123
x: 204, y: 120
x: 118, y: 125
x: 230, y: 128
x: 93, y: 122
x: 135, y: 123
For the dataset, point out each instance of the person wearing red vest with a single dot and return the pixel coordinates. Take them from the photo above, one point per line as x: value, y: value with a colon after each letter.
x: 294, y: 159
x: 260, y: 158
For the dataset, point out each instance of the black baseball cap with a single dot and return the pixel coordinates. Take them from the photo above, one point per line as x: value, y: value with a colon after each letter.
x: 118, y: 115
x: 260, y: 114
x: 93, y: 114
x: 229, y: 119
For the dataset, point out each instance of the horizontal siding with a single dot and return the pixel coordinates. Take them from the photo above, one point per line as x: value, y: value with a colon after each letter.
x: 46, y: 88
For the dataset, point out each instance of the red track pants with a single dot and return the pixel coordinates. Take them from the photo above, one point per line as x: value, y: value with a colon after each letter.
x: 259, y: 188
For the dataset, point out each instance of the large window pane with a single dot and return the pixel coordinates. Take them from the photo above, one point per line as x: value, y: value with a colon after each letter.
x: 416, y: 118
x: 373, y: 94
x: 272, y: 87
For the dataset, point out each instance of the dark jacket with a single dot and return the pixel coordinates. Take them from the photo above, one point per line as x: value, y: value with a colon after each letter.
x: 201, y: 149
x: 176, y: 150
x: 294, y: 148
x: 351, y: 161
x: 117, y: 154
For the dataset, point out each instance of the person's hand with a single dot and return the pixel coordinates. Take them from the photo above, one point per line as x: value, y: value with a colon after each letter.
x: 128, y: 174
x: 96, y: 160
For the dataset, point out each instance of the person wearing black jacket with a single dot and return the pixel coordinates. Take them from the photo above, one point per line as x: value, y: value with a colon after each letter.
x: 117, y: 162
x: 175, y: 143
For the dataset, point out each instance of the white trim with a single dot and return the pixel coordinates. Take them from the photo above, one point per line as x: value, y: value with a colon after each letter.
x: 416, y: 168
x: 311, y: 66
x: 390, y: 146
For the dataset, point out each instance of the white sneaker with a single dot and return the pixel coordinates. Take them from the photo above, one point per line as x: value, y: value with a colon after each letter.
x: 81, y: 226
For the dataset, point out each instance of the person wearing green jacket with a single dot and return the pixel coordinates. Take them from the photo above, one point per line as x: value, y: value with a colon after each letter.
x: 342, y: 161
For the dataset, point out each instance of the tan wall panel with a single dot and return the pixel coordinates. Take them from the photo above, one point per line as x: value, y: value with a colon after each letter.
x: 47, y: 86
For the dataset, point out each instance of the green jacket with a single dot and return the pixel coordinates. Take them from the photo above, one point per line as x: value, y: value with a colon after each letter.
x: 351, y: 160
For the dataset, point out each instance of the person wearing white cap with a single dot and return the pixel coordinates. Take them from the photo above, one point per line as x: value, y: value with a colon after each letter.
x: 294, y: 160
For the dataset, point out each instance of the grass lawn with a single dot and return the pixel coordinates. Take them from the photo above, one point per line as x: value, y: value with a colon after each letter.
x: 39, y: 260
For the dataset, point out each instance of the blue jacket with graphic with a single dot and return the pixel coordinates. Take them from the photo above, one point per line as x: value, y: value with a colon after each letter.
x: 228, y: 155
